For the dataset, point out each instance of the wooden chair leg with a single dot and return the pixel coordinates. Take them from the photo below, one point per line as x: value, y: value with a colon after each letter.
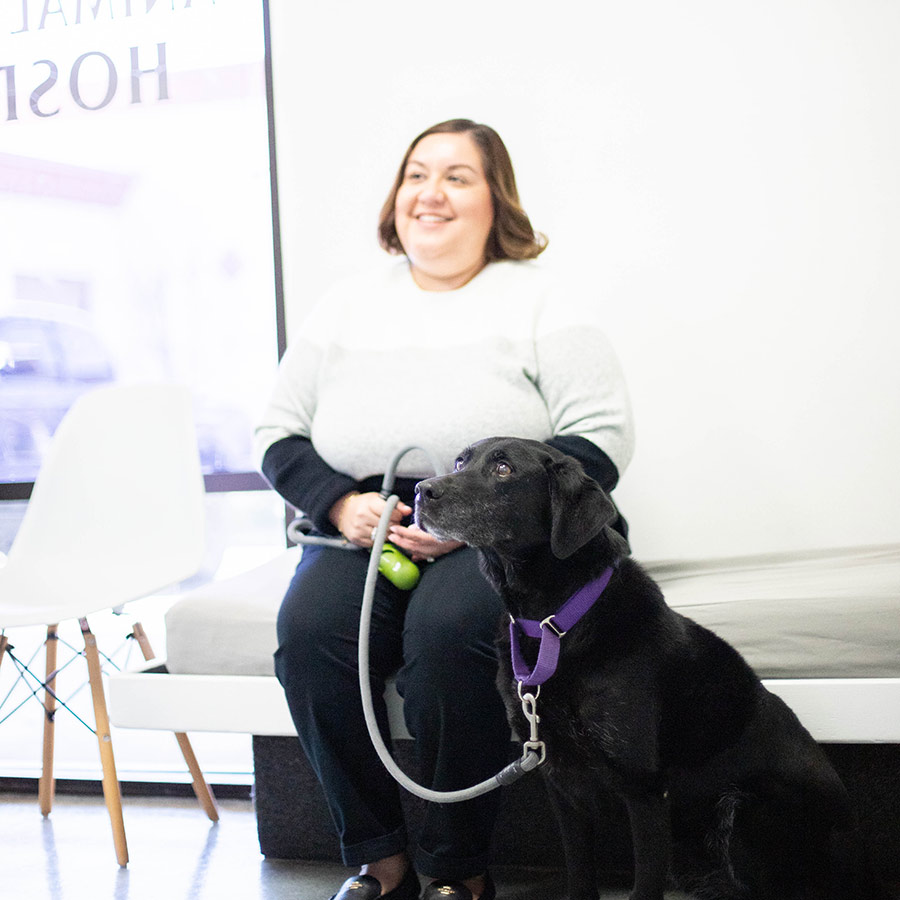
x: 138, y: 633
x: 111, y: 790
x: 201, y: 788
x: 47, y: 782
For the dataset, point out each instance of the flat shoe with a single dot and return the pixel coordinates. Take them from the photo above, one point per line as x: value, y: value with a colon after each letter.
x: 455, y: 890
x: 367, y: 887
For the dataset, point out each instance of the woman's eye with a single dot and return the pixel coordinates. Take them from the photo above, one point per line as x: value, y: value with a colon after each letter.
x: 503, y: 469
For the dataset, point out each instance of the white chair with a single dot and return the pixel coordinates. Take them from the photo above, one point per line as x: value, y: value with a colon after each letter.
x: 116, y: 514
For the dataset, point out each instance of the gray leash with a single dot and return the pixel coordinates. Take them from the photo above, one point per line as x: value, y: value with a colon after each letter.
x: 533, y: 754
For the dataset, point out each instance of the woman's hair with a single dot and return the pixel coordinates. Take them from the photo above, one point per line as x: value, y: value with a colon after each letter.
x: 511, y: 235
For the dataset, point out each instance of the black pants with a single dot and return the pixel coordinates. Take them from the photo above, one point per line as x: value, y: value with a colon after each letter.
x: 440, y: 640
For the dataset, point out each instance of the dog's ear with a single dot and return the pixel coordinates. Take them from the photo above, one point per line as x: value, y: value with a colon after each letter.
x: 579, y: 510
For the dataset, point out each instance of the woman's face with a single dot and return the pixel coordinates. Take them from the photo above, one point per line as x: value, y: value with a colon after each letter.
x: 443, y: 211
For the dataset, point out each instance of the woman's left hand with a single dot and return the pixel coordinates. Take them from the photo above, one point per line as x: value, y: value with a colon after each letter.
x: 419, y: 545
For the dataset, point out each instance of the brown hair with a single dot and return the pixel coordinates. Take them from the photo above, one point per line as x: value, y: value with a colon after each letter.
x: 511, y: 235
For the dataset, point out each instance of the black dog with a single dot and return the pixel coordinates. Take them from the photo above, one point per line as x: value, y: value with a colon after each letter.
x: 726, y: 792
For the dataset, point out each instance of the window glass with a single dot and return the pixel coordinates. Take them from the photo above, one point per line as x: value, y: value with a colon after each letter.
x: 137, y: 245
x: 135, y: 215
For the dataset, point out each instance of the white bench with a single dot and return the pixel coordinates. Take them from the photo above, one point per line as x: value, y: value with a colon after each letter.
x: 219, y: 674
x: 219, y: 678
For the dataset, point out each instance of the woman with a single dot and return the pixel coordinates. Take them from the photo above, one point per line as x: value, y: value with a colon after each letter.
x: 463, y: 338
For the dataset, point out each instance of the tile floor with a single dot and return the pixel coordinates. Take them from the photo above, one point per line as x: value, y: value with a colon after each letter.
x: 177, y: 854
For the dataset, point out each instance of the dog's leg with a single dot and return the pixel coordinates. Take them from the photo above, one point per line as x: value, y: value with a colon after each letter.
x: 651, y: 840
x: 576, y: 826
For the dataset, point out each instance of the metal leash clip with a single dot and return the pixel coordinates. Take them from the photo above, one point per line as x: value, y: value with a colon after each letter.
x: 529, y: 710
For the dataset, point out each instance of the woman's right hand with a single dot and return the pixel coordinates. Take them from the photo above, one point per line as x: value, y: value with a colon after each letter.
x: 356, y: 516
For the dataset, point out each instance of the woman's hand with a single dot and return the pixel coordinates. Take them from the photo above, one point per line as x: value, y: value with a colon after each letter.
x: 356, y: 516
x: 420, y: 545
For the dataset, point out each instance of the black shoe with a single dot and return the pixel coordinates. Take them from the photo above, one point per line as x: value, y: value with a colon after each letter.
x: 455, y: 890
x: 367, y: 887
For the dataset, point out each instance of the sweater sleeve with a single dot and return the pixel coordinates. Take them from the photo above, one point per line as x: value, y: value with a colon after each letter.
x: 593, y: 460
x: 292, y: 403
x: 294, y: 468
x: 581, y: 381
x: 284, y: 448
x: 597, y: 465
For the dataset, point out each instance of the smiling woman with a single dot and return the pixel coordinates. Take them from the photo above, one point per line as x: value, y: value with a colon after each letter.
x: 456, y: 173
x: 443, y: 212
x: 534, y: 366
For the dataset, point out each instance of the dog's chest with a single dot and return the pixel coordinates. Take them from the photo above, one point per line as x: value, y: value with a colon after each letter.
x: 578, y: 734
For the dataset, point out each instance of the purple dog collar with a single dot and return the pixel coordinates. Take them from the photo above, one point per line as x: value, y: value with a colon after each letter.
x: 550, y: 630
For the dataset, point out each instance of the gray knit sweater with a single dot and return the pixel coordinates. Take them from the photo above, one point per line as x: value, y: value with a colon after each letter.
x: 380, y: 364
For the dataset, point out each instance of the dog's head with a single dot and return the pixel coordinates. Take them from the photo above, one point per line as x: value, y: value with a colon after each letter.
x: 511, y: 494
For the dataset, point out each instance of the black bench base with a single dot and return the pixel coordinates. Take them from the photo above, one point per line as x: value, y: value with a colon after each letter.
x: 294, y: 823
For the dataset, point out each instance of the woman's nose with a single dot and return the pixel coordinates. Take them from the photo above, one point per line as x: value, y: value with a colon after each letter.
x: 432, y: 191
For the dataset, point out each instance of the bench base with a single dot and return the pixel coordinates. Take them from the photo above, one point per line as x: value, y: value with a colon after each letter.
x: 294, y: 823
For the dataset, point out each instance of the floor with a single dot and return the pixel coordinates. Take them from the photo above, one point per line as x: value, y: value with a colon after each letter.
x: 177, y: 854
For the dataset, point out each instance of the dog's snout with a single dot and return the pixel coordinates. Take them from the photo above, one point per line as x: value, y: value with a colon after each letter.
x: 429, y: 490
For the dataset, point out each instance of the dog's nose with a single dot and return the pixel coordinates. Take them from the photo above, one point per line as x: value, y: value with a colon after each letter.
x: 429, y: 490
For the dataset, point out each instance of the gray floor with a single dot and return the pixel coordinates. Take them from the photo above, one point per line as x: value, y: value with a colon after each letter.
x: 176, y: 854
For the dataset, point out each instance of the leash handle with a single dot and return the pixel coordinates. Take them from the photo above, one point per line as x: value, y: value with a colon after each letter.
x: 298, y: 532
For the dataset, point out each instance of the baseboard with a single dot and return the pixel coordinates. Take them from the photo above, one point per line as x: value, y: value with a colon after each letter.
x: 90, y: 788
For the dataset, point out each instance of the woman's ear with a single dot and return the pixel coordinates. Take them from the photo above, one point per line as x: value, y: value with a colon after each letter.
x: 579, y: 509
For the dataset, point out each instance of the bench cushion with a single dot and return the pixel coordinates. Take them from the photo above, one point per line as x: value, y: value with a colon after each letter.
x: 228, y: 627
x: 819, y: 614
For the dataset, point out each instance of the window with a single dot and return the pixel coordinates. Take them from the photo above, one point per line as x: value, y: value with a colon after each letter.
x: 136, y: 220
x: 138, y: 235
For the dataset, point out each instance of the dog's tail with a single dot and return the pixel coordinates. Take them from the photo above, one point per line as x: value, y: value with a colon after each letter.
x: 781, y: 848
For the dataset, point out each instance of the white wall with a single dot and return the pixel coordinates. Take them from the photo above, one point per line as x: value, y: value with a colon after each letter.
x: 723, y: 178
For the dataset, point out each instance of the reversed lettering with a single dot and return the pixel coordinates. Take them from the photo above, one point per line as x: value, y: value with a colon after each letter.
x: 10, y: 92
x: 111, y: 85
x: 95, y: 10
x: 160, y: 70
x: 43, y: 87
x: 59, y: 11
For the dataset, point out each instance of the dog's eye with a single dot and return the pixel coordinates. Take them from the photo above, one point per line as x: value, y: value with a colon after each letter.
x: 458, y: 464
x: 503, y: 469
